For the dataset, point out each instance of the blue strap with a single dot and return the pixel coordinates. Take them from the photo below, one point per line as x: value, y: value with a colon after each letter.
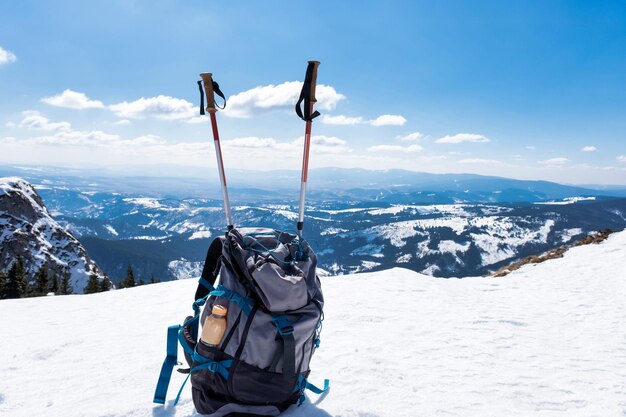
x: 181, y: 336
x: 215, y: 367
x: 205, y: 284
x: 180, y: 391
x: 174, y: 335
x: 317, y: 390
x: 244, y: 303
x: 171, y: 360
x: 304, y: 384
x: 221, y: 367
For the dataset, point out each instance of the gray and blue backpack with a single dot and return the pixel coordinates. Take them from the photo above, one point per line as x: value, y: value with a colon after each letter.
x: 267, y: 280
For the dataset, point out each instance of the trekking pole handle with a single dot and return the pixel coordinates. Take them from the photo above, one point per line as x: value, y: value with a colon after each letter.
x: 313, y: 79
x: 207, y: 80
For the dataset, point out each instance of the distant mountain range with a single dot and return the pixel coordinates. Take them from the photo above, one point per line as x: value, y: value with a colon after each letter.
x: 337, y: 184
x: 445, y: 225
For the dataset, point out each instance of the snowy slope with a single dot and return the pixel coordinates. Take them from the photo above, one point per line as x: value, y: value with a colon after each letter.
x: 547, y: 340
x: 28, y: 230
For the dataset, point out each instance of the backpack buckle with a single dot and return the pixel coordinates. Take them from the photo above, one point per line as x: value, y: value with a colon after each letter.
x: 283, y: 331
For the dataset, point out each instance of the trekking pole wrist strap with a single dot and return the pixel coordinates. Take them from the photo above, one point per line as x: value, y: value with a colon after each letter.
x: 307, y: 94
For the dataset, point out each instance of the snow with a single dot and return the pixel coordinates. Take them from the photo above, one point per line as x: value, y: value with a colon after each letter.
x: 547, y: 340
x: 452, y: 247
x: 150, y: 237
x: 566, y: 201
x: 367, y: 265
x: 369, y: 250
x: 146, y: 202
x: 187, y: 226
x: 502, y: 236
x: 202, y: 234
x: 333, y: 231
x: 402, y: 259
x: 111, y: 229
x: 394, y: 209
x: 568, y: 234
x: 183, y: 269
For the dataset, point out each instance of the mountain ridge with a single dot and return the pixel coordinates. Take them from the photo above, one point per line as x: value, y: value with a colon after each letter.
x: 28, y: 231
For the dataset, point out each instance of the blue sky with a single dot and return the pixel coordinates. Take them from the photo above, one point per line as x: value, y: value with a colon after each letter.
x: 533, y: 90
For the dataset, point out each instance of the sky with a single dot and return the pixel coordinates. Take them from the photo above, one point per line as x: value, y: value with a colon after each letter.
x: 528, y: 90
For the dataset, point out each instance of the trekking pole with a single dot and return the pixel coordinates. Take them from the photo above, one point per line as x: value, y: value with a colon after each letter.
x: 210, y: 89
x: 308, y: 96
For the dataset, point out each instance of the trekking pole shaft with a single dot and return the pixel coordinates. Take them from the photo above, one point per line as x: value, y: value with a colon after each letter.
x: 305, y: 173
x: 220, y: 168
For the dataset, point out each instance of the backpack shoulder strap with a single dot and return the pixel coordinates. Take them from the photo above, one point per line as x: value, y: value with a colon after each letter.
x: 211, y: 268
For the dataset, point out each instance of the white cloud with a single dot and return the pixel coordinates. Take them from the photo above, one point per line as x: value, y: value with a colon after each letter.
x: 327, y: 144
x: 383, y: 120
x: 319, y: 145
x: 411, y: 137
x: 122, y: 122
x: 555, y: 162
x: 341, y: 120
x: 250, y: 142
x: 621, y: 158
x: 463, y: 137
x: 160, y: 107
x: 76, y: 138
x: 6, y: 57
x: 396, y: 148
x: 73, y: 100
x: 480, y: 161
x: 33, y: 120
x: 530, y: 148
x: 198, y: 119
x: 589, y: 149
x: 388, y: 120
x: 61, y: 133
x: 278, y: 97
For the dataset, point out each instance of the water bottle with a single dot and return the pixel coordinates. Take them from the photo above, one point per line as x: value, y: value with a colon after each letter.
x: 214, y: 326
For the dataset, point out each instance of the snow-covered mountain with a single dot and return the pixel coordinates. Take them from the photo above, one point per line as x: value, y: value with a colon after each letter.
x: 167, y: 238
x: 27, y: 230
x: 546, y: 340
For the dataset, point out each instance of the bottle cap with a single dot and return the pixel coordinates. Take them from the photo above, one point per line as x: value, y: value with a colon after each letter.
x: 219, y: 310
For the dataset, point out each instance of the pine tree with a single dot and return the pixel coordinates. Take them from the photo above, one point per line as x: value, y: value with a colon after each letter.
x: 105, y: 284
x: 129, y: 281
x: 153, y: 280
x: 54, y: 284
x: 66, y: 286
x: 16, y: 286
x: 3, y: 283
x: 141, y: 282
x: 41, y: 282
x: 93, y: 285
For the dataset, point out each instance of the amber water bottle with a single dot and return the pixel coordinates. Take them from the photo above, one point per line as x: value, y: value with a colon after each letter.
x: 214, y: 326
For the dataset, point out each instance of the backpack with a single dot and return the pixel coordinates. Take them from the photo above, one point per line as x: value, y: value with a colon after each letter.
x: 268, y: 282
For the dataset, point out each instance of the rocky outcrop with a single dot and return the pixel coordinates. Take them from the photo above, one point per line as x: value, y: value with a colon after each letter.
x: 553, y: 254
x: 28, y: 231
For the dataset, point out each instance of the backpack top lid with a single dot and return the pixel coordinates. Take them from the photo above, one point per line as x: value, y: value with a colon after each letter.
x: 278, y: 266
